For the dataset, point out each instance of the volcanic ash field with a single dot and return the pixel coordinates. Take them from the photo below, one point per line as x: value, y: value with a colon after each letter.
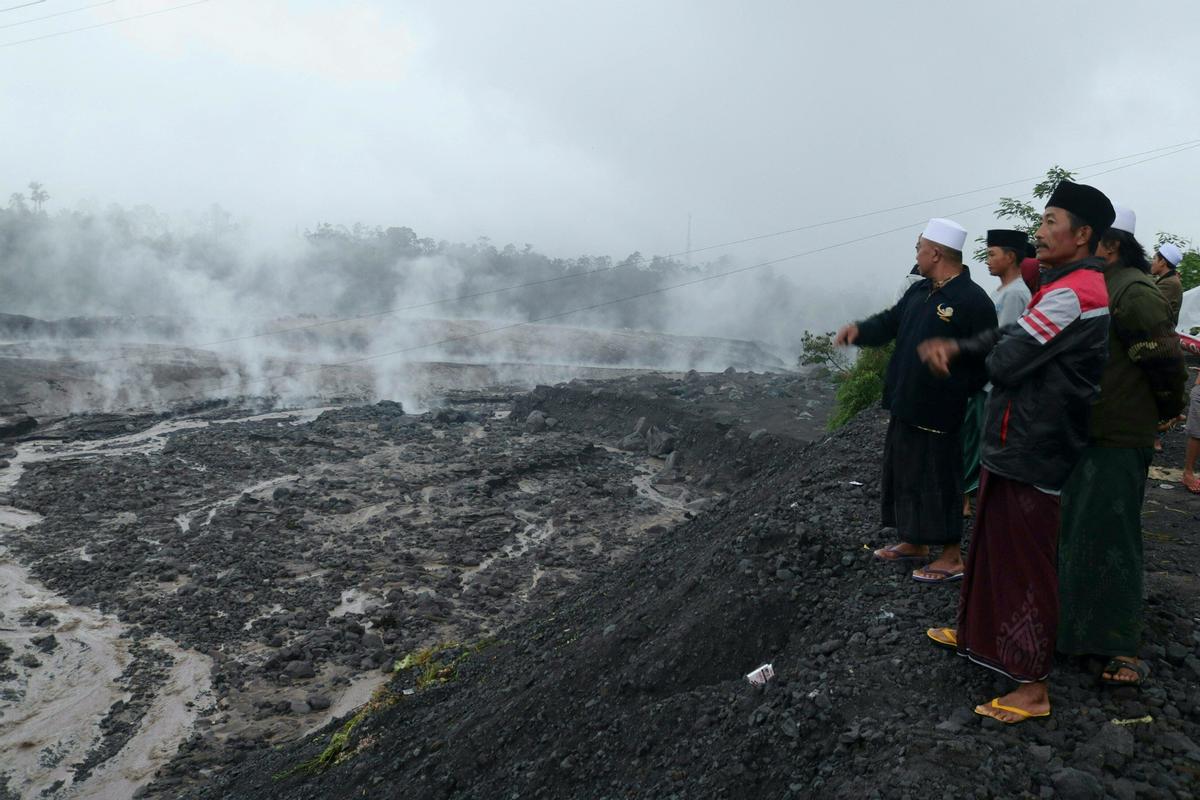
x: 553, y: 593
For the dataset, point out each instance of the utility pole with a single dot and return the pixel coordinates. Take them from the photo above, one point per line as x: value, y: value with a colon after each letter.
x: 689, y: 240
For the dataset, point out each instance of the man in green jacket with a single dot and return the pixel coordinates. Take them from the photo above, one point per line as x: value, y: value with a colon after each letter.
x: 1166, y: 260
x: 1100, y: 543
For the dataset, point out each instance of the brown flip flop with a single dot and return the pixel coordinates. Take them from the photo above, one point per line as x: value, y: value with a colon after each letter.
x: 947, y: 575
x: 892, y: 553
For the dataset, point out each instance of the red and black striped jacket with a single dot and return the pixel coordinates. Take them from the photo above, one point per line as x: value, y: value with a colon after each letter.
x: 1045, y: 370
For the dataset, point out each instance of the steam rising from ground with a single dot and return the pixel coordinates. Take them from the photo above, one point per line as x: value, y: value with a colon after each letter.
x: 217, y: 309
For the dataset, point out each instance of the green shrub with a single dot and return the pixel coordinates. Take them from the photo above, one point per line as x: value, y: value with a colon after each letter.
x: 861, y: 386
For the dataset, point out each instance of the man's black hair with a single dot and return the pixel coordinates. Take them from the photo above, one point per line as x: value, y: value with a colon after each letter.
x: 1018, y: 255
x: 1129, y: 249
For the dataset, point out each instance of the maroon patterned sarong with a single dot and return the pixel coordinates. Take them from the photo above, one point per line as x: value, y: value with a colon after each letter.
x: 1008, y: 609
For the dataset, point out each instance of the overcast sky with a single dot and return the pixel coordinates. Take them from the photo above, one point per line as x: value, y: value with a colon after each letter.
x: 598, y: 126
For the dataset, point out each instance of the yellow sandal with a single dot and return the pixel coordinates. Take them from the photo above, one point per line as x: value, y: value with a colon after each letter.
x: 946, y: 637
x: 1020, y: 712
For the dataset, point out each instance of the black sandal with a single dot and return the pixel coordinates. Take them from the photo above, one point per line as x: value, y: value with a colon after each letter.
x: 1115, y: 665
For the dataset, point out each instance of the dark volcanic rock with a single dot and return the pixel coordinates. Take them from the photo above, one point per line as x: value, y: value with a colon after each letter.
x: 659, y: 442
x: 535, y: 422
x: 15, y: 423
x: 615, y: 627
x: 1074, y: 784
x: 632, y: 684
x: 46, y: 644
x: 634, y: 442
x: 299, y: 669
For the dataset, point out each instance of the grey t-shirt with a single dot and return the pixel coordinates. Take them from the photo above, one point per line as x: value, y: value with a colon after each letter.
x: 1011, y: 301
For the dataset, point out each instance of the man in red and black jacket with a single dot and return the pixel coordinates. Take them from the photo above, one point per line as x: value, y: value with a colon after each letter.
x: 1045, y: 370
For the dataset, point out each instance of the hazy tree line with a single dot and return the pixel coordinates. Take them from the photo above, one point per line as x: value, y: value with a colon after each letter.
x: 114, y: 260
x: 379, y: 264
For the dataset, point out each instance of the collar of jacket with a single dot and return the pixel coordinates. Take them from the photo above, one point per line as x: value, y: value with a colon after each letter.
x: 1052, y: 274
x: 1165, y: 275
x: 1112, y: 269
x: 950, y: 288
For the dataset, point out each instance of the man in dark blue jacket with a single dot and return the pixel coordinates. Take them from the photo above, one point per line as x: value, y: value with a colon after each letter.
x: 922, y: 457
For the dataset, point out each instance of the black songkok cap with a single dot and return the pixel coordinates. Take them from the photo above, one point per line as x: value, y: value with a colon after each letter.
x: 1086, y: 202
x: 1015, y: 240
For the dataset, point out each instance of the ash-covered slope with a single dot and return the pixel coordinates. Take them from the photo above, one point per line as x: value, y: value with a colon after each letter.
x: 632, y: 686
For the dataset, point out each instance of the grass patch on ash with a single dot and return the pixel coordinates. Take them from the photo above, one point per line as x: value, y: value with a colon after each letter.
x: 431, y: 666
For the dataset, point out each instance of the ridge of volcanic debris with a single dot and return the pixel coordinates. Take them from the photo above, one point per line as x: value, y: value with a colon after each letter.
x: 631, y: 685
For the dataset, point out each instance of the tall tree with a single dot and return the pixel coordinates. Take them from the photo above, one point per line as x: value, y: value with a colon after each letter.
x: 1022, y: 214
x: 38, y: 194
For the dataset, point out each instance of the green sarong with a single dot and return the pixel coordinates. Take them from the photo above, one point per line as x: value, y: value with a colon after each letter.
x: 1100, y: 553
x: 971, y: 436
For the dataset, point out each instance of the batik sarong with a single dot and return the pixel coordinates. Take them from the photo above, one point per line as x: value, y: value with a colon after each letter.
x: 1008, y: 609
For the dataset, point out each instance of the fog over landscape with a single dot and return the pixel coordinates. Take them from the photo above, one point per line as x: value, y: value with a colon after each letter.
x: 430, y: 398
x: 576, y: 130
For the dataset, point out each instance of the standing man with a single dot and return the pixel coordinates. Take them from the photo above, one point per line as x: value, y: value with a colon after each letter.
x: 1045, y: 372
x: 1100, y: 546
x: 1005, y: 251
x: 922, y: 458
x: 1166, y: 261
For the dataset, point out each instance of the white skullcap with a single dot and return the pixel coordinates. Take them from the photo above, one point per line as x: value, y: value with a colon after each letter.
x: 1171, y: 253
x: 946, y: 232
x: 1126, y: 220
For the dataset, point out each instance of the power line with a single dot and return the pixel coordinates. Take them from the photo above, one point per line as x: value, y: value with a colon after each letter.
x: 864, y: 215
x: 1178, y: 147
x: 105, y: 24
x: 1190, y: 146
x: 57, y: 14
x: 23, y: 5
x: 651, y: 292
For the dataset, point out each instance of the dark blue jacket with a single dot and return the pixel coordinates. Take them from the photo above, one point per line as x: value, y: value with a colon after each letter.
x: 958, y: 310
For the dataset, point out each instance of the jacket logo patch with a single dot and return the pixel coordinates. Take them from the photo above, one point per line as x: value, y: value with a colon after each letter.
x: 945, y: 312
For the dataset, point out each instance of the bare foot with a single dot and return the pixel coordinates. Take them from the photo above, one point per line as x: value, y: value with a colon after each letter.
x: 1027, y: 700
